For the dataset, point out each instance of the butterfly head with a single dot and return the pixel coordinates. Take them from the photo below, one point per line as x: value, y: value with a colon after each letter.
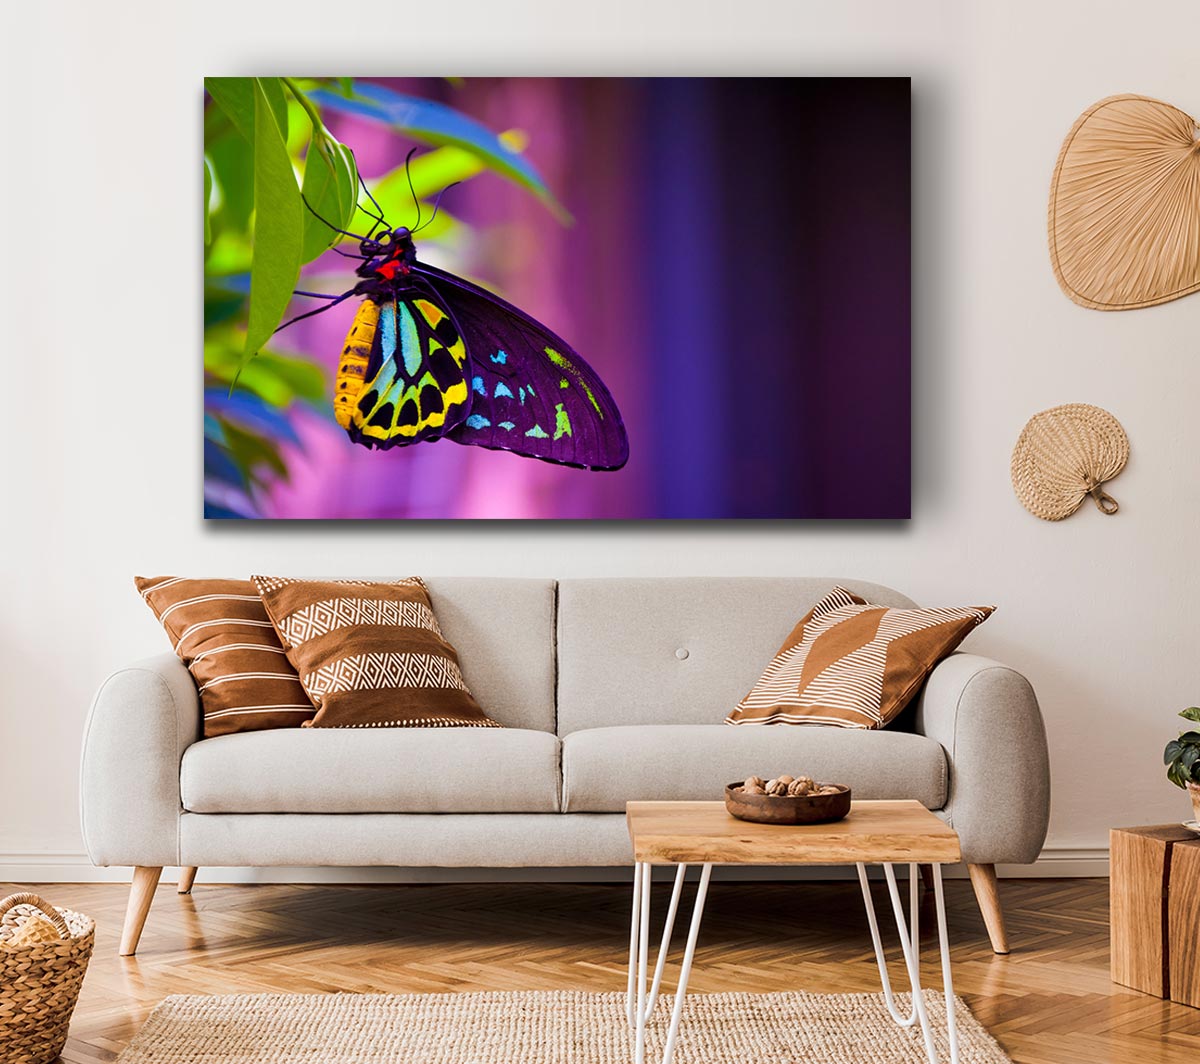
x: 390, y: 254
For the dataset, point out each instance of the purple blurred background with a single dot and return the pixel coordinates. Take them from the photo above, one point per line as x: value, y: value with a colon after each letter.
x: 737, y: 273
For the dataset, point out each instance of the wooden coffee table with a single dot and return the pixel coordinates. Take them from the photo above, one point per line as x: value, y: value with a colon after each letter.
x: 703, y: 833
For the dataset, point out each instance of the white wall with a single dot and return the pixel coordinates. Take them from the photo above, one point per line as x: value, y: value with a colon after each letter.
x: 101, y: 336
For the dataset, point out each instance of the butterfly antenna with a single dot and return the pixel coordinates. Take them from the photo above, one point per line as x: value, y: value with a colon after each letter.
x: 412, y: 191
x: 363, y: 185
x: 353, y: 236
x: 436, y: 204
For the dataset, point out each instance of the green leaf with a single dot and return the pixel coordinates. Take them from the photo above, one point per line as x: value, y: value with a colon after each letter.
x: 1189, y: 757
x: 438, y: 125
x: 208, y: 185
x: 1191, y: 713
x: 1190, y: 737
x: 278, y: 228
x: 324, y: 196
x: 232, y: 160
x: 1173, y: 750
x: 235, y: 96
x: 273, y: 90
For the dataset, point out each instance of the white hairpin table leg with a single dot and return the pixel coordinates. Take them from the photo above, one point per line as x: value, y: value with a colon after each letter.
x: 947, y: 978
x: 640, y: 1005
x: 686, y: 968
x: 633, y: 941
x: 880, y: 959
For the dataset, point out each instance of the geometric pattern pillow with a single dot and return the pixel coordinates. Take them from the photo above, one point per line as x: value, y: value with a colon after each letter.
x: 225, y: 638
x: 369, y: 654
x: 853, y: 665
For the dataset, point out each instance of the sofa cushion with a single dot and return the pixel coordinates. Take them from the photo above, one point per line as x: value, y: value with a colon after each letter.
x: 221, y: 632
x: 376, y: 770
x: 851, y: 664
x: 370, y: 654
x: 603, y: 768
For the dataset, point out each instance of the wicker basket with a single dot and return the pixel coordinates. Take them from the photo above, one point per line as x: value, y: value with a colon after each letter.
x: 40, y: 980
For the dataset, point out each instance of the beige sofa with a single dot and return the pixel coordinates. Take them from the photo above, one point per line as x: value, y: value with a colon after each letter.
x: 610, y: 690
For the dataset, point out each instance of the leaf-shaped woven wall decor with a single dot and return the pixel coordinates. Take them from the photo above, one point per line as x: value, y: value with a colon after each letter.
x: 1065, y: 454
x: 1125, y: 205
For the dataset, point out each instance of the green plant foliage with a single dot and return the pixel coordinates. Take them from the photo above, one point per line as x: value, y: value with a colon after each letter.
x: 266, y: 151
x: 278, y: 227
x: 208, y: 185
x: 1182, y: 755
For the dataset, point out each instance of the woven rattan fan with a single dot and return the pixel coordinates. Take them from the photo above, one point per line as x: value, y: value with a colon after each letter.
x: 1125, y: 205
x: 1065, y: 454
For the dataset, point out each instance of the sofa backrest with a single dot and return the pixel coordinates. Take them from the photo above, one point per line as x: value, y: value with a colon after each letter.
x: 503, y: 631
x: 676, y: 650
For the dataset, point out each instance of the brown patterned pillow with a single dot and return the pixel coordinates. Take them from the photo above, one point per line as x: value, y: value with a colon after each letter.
x: 222, y: 633
x: 370, y: 655
x: 854, y: 665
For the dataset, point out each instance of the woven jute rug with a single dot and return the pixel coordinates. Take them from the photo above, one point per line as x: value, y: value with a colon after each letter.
x: 551, y: 1027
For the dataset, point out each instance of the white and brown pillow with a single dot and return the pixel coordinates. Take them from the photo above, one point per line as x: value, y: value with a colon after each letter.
x: 854, y: 665
x: 221, y: 632
x: 370, y: 655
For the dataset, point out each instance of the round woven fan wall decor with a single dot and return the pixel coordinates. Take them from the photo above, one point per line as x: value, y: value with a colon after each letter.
x: 1124, y: 213
x: 1065, y: 454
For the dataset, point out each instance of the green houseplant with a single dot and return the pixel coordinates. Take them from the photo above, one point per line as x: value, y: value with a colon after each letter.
x: 1182, y: 758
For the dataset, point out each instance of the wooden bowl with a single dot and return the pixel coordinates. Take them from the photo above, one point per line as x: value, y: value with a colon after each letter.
x: 769, y: 809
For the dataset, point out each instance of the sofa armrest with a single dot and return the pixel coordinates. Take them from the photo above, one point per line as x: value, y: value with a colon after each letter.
x: 141, y: 721
x: 987, y: 719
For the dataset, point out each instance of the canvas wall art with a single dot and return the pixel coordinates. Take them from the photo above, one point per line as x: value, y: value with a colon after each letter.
x: 556, y: 298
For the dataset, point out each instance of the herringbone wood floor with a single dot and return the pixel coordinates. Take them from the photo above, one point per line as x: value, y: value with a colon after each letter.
x: 1049, y: 1002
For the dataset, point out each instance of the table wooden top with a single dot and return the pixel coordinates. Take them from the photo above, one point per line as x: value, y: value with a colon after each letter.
x: 705, y: 832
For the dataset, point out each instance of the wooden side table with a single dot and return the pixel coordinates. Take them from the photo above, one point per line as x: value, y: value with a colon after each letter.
x: 703, y: 833
x: 1154, y: 890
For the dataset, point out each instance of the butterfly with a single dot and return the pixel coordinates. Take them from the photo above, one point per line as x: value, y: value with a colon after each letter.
x: 432, y: 356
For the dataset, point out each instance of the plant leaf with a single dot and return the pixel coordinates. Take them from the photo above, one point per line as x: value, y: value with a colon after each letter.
x: 278, y: 228
x: 235, y: 96
x: 276, y: 96
x: 1190, y: 737
x: 1191, y: 713
x: 439, y: 125
x: 323, y: 195
x: 1173, y: 750
x: 208, y: 184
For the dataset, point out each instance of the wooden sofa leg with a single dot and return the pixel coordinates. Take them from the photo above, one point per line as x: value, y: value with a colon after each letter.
x: 187, y: 876
x: 141, y: 894
x: 983, y: 879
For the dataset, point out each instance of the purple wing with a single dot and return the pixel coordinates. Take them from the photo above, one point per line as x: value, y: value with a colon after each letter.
x: 532, y: 394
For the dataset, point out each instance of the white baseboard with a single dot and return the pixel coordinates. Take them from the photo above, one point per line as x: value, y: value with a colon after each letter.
x: 1065, y: 863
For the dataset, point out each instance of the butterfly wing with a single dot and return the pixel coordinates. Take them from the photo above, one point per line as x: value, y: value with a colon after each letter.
x: 414, y: 384
x: 531, y: 393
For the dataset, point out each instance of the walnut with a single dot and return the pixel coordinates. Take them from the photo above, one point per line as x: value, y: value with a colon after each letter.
x: 776, y: 787
x: 786, y: 779
x: 752, y: 782
x: 828, y: 789
x: 799, y: 788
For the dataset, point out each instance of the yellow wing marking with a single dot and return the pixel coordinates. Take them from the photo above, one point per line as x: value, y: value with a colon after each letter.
x: 352, y: 366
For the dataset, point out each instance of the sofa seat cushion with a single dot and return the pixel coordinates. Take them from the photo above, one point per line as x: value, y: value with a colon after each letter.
x: 376, y: 770
x: 603, y: 768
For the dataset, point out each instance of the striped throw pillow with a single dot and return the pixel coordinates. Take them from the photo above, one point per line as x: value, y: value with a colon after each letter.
x: 370, y: 655
x: 222, y: 633
x: 854, y: 665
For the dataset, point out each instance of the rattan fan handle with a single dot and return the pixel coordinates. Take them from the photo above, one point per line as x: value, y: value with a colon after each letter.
x: 38, y: 902
x: 1105, y: 503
